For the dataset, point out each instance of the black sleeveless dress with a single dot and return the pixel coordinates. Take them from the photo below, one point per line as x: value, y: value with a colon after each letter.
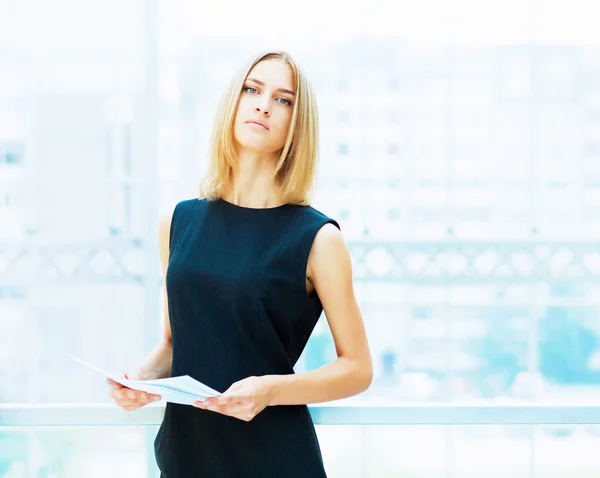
x: 238, y: 307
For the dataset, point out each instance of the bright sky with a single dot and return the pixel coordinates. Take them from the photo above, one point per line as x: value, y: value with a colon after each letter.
x: 117, y: 26
x: 420, y: 21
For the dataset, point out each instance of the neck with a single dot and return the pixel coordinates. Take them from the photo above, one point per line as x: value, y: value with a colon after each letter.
x: 253, y: 183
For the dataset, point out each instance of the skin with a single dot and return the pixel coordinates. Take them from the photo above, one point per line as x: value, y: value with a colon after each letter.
x: 258, y: 148
x: 329, y: 270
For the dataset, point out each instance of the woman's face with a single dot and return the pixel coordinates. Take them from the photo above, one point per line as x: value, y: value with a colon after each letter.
x: 267, y: 97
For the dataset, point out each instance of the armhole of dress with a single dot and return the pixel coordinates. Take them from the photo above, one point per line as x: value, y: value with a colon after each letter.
x: 307, y: 247
x: 171, y: 227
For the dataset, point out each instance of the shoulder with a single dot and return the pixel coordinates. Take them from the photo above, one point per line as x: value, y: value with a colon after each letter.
x: 328, y: 253
x: 328, y: 240
x: 186, y: 204
x: 312, y: 216
x: 182, y: 206
x: 171, y: 210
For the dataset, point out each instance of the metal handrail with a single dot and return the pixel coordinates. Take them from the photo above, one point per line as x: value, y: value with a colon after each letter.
x: 452, y: 413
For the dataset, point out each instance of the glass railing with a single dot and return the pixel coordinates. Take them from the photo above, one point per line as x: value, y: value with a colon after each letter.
x: 412, y: 440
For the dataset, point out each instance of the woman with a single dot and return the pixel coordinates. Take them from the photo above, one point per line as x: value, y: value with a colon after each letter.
x: 249, y: 267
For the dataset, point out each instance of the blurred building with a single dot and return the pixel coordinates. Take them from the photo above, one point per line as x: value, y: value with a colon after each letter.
x: 422, y: 146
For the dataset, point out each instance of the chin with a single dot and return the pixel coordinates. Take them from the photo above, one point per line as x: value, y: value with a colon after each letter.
x: 254, y: 144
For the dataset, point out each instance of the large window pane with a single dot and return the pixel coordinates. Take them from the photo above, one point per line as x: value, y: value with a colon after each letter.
x: 461, y: 158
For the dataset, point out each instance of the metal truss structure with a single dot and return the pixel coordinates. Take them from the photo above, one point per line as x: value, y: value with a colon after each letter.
x: 389, y: 261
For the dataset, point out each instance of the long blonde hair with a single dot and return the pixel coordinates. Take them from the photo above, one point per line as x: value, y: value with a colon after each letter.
x: 297, y: 165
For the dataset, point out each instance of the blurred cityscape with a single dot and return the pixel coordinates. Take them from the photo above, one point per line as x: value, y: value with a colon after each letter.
x: 466, y: 181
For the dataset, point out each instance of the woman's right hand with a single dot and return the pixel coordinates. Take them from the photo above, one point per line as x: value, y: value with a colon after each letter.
x: 127, y: 398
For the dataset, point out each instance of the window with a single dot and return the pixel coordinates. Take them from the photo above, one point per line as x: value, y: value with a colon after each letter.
x: 592, y: 149
x: 11, y: 153
x: 593, y: 115
x: 590, y: 81
x: 515, y: 78
x: 11, y: 157
x: 557, y: 75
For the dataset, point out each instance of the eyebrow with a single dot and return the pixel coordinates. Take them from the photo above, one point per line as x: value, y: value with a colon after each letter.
x: 262, y: 83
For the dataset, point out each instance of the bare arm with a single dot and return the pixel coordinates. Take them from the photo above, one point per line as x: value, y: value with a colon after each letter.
x: 157, y: 364
x: 330, y: 269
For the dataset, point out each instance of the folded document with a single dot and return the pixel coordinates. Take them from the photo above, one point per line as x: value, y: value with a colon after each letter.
x: 183, y: 389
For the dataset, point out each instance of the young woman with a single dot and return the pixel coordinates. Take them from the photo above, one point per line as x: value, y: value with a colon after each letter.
x: 249, y: 267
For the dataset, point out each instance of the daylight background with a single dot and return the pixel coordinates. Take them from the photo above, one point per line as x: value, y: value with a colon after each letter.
x: 460, y: 152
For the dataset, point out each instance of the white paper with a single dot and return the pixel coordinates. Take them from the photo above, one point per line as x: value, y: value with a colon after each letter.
x: 183, y: 389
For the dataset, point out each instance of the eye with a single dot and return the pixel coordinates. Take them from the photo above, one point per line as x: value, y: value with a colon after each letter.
x: 287, y: 102
x: 248, y: 88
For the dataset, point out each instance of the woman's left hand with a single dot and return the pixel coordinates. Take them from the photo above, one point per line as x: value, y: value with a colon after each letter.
x: 243, y: 400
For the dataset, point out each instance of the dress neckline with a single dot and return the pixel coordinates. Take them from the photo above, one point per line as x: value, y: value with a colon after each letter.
x: 245, y: 208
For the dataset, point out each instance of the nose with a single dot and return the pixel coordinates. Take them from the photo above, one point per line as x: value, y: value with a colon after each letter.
x: 263, y: 106
x: 264, y: 110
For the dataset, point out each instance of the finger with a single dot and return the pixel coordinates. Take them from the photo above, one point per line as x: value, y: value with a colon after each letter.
x: 136, y: 399
x: 231, y: 410
x: 149, y: 397
x: 243, y: 415
x: 135, y: 404
x: 117, y: 394
x: 116, y: 391
x: 225, y: 400
x: 235, y: 409
x: 125, y: 394
x: 137, y: 396
x: 114, y: 384
x: 131, y: 394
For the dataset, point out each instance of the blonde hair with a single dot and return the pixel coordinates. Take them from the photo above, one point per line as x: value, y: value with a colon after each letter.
x: 297, y: 164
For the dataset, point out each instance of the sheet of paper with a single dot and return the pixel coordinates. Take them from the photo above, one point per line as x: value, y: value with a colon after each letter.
x: 182, y: 389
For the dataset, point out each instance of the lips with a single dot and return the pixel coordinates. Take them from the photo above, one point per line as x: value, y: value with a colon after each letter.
x: 259, y: 123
